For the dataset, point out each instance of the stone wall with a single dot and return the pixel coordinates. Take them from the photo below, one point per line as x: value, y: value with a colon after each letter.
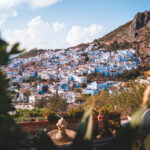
x: 33, y: 127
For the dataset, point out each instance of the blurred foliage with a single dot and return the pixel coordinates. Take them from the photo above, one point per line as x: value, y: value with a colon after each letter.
x: 96, y: 76
x: 126, y: 100
x: 126, y: 75
x: 130, y: 74
x: 101, y: 100
x: 83, y: 97
x: 83, y: 139
x: 40, y: 103
x: 106, y: 111
x: 11, y: 136
x: 111, y: 121
x: 55, y: 103
x: 140, y: 72
x: 50, y: 115
x: 44, y: 142
x: 28, y: 113
x: 75, y: 112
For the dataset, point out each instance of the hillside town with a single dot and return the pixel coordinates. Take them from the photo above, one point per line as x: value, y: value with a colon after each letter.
x: 74, y: 75
x: 63, y: 71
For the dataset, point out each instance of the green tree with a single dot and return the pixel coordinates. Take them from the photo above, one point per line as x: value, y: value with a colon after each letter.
x: 101, y: 100
x: 11, y: 136
x: 130, y: 74
x: 96, y: 76
x: 126, y: 99
x: 40, y: 103
x: 56, y: 103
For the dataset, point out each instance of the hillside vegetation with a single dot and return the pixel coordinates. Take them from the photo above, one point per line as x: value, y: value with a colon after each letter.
x: 31, y: 53
x: 113, y: 33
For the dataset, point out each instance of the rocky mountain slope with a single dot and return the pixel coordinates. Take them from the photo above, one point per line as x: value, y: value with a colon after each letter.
x: 134, y: 34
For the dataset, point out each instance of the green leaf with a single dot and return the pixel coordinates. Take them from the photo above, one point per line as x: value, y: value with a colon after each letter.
x: 88, y: 134
x: 136, y: 120
x: 15, y: 49
x: 12, y: 137
x: 83, y: 139
x: 147, y: 142
x: 3, y: 44
x: 45, y: 143
x: 3, y: 54
x: 128, y: 134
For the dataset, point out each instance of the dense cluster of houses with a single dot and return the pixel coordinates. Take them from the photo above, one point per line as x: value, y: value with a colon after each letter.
x: 66, y: 70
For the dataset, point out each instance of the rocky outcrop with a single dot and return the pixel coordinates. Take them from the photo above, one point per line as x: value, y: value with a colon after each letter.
x: 141, y: 20
x: 135, y: 32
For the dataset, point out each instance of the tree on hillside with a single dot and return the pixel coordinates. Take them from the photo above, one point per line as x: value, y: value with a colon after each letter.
x: 96, y: 76
x: 130, y: 74
x: 56, y: 103
x: 40, y: 103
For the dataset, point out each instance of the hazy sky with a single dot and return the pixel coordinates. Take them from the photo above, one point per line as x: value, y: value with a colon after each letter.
x: 63, y: 23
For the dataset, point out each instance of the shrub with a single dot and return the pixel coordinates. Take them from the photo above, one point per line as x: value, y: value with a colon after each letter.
x: 40, y: 103
x: 126, y: 99
x: 130, y: 74
x: 107, y: 110
x: 50, y: 115
x: 35, y: 113
x: 28, y: 113
x: 66, y: 116
x: 40, y: 118
x: 111, y: 121
x: 56, y: 103
x: 75, y: 112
